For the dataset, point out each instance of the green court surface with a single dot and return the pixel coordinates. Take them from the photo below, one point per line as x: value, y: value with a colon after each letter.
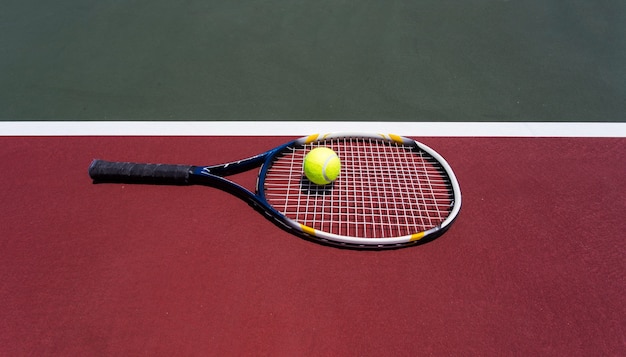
x: 487, y: 60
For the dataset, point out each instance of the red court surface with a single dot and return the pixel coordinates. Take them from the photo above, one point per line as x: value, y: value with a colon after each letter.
x: 534, y: 265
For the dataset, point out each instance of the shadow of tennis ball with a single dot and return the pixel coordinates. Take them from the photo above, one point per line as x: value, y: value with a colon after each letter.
x: 309, y: 188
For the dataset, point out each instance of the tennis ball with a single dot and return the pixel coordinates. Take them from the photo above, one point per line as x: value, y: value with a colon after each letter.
x: 322, y: 166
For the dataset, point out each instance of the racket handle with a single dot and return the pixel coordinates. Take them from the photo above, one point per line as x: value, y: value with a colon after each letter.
x: 129, y: 172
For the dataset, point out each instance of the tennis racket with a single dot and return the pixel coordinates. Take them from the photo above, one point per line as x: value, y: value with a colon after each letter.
x: 392, y: 191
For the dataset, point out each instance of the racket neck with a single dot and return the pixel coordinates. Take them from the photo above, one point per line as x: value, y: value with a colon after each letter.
x: 231, y: 168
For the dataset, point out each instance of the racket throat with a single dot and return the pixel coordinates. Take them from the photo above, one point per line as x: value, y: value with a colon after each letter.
x: 231, y: 168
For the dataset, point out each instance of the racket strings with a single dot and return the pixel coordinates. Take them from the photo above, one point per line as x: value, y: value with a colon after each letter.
x: 384, y: 190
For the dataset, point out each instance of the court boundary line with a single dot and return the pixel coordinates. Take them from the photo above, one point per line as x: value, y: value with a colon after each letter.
x: 299, y: 128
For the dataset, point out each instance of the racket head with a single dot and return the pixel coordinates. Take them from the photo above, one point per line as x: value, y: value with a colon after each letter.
x: 392, y: 191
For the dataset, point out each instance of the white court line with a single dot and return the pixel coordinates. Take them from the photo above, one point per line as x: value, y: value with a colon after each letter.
x: 300, y: 128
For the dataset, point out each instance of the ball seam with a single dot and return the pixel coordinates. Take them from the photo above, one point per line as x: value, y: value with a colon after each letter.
x: 330, y: 157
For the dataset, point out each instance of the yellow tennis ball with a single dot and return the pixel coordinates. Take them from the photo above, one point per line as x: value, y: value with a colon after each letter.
x: 322, y: 166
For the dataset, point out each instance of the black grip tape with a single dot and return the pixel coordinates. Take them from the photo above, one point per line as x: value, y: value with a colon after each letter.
x: 128, y: 172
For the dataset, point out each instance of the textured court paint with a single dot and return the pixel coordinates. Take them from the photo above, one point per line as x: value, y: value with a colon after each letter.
x: 405, y: 60
x: 162, y: 271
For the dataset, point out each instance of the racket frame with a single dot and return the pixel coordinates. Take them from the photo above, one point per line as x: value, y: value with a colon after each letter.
x: 359, y: 241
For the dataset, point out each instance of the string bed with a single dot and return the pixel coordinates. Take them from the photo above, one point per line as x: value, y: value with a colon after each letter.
x: 384, y: 190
